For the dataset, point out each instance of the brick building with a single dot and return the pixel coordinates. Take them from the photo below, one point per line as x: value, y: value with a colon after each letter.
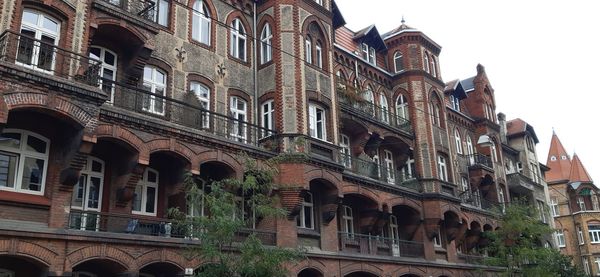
x: 574, y: 206
x: 106, y: 103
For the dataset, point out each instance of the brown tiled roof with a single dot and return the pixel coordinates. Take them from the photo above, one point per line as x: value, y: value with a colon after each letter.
x: 578, y: 172
x: 344, y: 37
x: 519, y: 126
x: 560, y: 168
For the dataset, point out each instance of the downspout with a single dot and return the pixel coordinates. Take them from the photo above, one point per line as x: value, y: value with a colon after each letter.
x: 256, y: 112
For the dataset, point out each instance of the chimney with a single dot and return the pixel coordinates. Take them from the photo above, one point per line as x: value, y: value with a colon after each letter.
x: 502, y: 121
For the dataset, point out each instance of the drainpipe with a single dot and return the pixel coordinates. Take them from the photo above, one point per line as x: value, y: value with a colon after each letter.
x: 256, y: 112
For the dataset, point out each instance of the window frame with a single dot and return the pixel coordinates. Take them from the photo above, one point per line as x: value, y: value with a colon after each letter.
x: 560, y: 238
x: 402, y: 107
x: 145, y: 184
x: 310, y: 205
x: 33, y: 59
x: 266, y: 44
x: 313, y: 111
x: 580, y: 237
x: 554, y: 207
x: 308, y: 50
x: 267, y: 112
x: 201, y: 21
x: 384, y: 108
x: 21, y: 155
x: 105, y: 66
x: 346, y: 151
x: 388, y: 160
x: 594, y: 233
x: 154, y: 84
x: 158, y: 7
x: 442, y: 168
x: 197, y: 87
x: 318, y: 54
x: 348, y: 220
x: 241, y: 124
x: 238, y: 40
x: 398, y: 57
x: 458, y: 141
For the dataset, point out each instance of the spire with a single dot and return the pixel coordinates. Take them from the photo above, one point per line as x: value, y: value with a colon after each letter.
x: 578, y: 172
x: 402, y: 21
x: 558, y: 161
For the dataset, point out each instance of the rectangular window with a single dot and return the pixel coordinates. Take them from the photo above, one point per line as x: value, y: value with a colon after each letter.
x: 345, y: 150
x: 554, y: 206
x: 542, y: 211
x: 437, y: 239
x: 318, y: 56
x: 581, y: 203
x: 308, y: 50
x: 442, y: 169
x: 348, y: 220
x: 560, y: 238
x: 586, y: 266
x: 372, y: 55
x: 580, y: 235
x: 238, y: 109
x: 594, y: 231
x: 306, y: 217
x: 365, y: 51
x: 317, y: 122
x: 389, y: 166
x: 268, y: 110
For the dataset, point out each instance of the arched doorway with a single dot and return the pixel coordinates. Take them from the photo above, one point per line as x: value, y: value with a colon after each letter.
x: 361, y: 274
x: 98, y: 268
x: 310, y: 272
x: 13, y: 266
x: 161, y: 270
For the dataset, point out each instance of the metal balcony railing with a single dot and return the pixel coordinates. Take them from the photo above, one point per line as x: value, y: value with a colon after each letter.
x: 143, y: 101
x: 144, y: 225
x: 480, y: 159
x: 383, y: 115
x: 475, y: 199
x: 145, y: 9
x: 380, y: 172
x: 380, y: 246
x: 471, y: 259
x: 43, y: 57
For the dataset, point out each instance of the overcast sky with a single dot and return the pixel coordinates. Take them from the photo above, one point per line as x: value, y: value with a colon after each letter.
x: 541, y: 58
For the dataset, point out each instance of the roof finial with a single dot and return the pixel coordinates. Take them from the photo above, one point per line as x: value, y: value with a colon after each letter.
x: 402, y: 21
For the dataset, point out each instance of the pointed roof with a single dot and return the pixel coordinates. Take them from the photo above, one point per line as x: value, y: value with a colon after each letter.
x: 558, y: 161
x: 578, y: 172
x: 517, y: 127
x: 371, y: 35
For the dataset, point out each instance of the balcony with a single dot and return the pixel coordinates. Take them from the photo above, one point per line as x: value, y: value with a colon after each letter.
x: 440, y: 138
x: 354, y: 104
x: 139, y: 11
x: 470, y: 259
x: 480, y: 160
x: 379, y: 246
x: 148, y: 226
x: 379, y: 172
x: 475, y: 200
x: 158, y: 107
x: 46, y: 62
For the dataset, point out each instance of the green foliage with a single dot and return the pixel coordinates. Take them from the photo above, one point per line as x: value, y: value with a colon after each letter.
x: 232, y: 208
x: 518, y: 245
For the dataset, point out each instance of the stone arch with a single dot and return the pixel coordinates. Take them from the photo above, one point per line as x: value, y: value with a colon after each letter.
x: 323, y: 174
x: 364, y: 192
x: 170, y: 145
x: 84, y: 254
x: 161, y: 256
x: 137, y: 34
x: 404, y: 271
x: 405, y: 201
x: 217, y: 155
x: 361, y: 267
x: 310, y: 263
x: 33, y: 251
x: 126, y: 137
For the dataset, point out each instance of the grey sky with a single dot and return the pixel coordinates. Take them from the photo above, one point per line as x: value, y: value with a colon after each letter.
x: 541, y: 58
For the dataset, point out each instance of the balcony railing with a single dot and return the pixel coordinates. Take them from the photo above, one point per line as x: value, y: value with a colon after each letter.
x: 383, y: 115
x: 380, y: 246
x: 475, y: 199
x: 187, y: 114
x: 471, y: 259
x: 480, y: 159
x: 145, y: 9
x: 47, y: 58
x: 380, y: 172
x: 158, y: 227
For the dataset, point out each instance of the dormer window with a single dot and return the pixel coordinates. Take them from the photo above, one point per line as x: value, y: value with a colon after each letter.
x: 455, y: 102
x: 368, y: 53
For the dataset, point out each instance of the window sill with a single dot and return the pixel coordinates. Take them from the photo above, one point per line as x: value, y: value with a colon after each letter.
x: 25, y: 198
x: 304, y: 232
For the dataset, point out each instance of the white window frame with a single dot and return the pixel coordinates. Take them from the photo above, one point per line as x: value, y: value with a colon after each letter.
x: 318, y: 55
x: 22, y: 154
x: 39, y: 31
x: 201, y: 22
x: 320, y: 2
x: 238, y: 43
x: 580, y: 237
x: 267, y: 110
x: 308, y: 203
x: 433, y: 67
x: 104, y: 67
x: 308, y: 50
x: 594, y: 232
x: 437, y: 239
x: 394, y: 234
x: 586, y: 265
x: 408, y: 171
x: 317, y: 122
x: 542, y: 211
x: 388, y: 160
x: 402, y: 109
x: 87, y: 174
x: 398, y: 58
x: 554, y: 207
x: 369, y: 97
x: 266, y: 39
x: 145, y: 184
x: 470, y: 150
x: 464, y: 183
x: 372, y: 56
x: 426, y: 62
x: 597, y: 261
x: 385, y: 108
x: 161, y: 10
x: 348, y: 220
x: 239, y: 127
x: 202, y: 93
x: 346, y: 152
x: 154, y: 84
x: 560, y: 238
x: 581, y: 203
x: 442, y: 168
x: 365, y: 51
x: 458, y: 142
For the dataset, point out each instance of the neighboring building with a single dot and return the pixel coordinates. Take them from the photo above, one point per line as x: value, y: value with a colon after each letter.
x: 574, y: 206
x: 390, y: 171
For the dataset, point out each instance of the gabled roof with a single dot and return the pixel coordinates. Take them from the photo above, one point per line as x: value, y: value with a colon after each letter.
x: 338, y: 18
x: 468, y: 84
x: 558, y: 161
x: 578, y: 172
x: 371, y: 36
x: 398, y: 29
x: 455, y: 88
x: 517, y: 127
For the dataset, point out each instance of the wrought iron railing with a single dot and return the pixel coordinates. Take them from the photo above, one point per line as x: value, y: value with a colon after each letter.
x: 381, y: 246
x: 48, y: 58
x: 480, y: 159
x: 383, y: 115
x: 380, y: 172
x: 185, y: 112
x: 476, y: 200
x: 471, y: 259
x: 145, y: 9
x: 144, y: 225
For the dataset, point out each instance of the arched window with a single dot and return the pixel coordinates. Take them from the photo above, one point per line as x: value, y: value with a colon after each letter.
x: 402, y: 107
x: 23, y: 161
x: 108, y: 69
x: 470, y: 151
x: 434, y: 110
x: 458, y: 141
x: 201, y: 22
x: 268, y: 110
x: 87, y: 196
x: 266, y: 42
x: 426, y: 62
x: 341, y: 80
x: 368, y: 96
x: 384, y: 108
x: 155, y: 83
x: 345, y: 149
x: 202, y: 93
x: 398, y: 62
x: 308, y: 50
x: 238, y: 40
x: 238, y: 108
x: 318, y: 54
x: 433, y: 67
x: 146, y: 193
x: 41, y: 27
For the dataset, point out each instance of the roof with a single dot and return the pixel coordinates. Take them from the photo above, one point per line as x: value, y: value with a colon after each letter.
x: 398, y: 29
x: 468, y: 84
x: 578, y: 172
x: 558, y: 161
x: 518, y: 127
x: 455, y: 88
x: 371, y: 36
x: 338, y: 18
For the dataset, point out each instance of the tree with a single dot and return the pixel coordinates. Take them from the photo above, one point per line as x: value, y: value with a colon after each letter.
x: 224, y: 214
x: 518, y: 246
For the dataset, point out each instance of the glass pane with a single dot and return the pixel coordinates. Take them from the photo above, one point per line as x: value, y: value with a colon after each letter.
x: 12, y: 140
x: 33, y: 173
x: 8, y: 169
x: 205, y: 33
x: 163, y: 13
x: 50, y: 24
x: 147, y: 73
x: 96, y: 166
x: 150, y: 196
x: 196, y: 28
x: 30, y: 17
x: 25, y: 49
x: 95, y: 53
x: 36, y: 145
x: 94, y: 193
x: 77, y: 198
x: 46, y: 54
x: 109, y: 58
x: 137, y: 199
x: 152, y: 177
x: 308, y: 217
